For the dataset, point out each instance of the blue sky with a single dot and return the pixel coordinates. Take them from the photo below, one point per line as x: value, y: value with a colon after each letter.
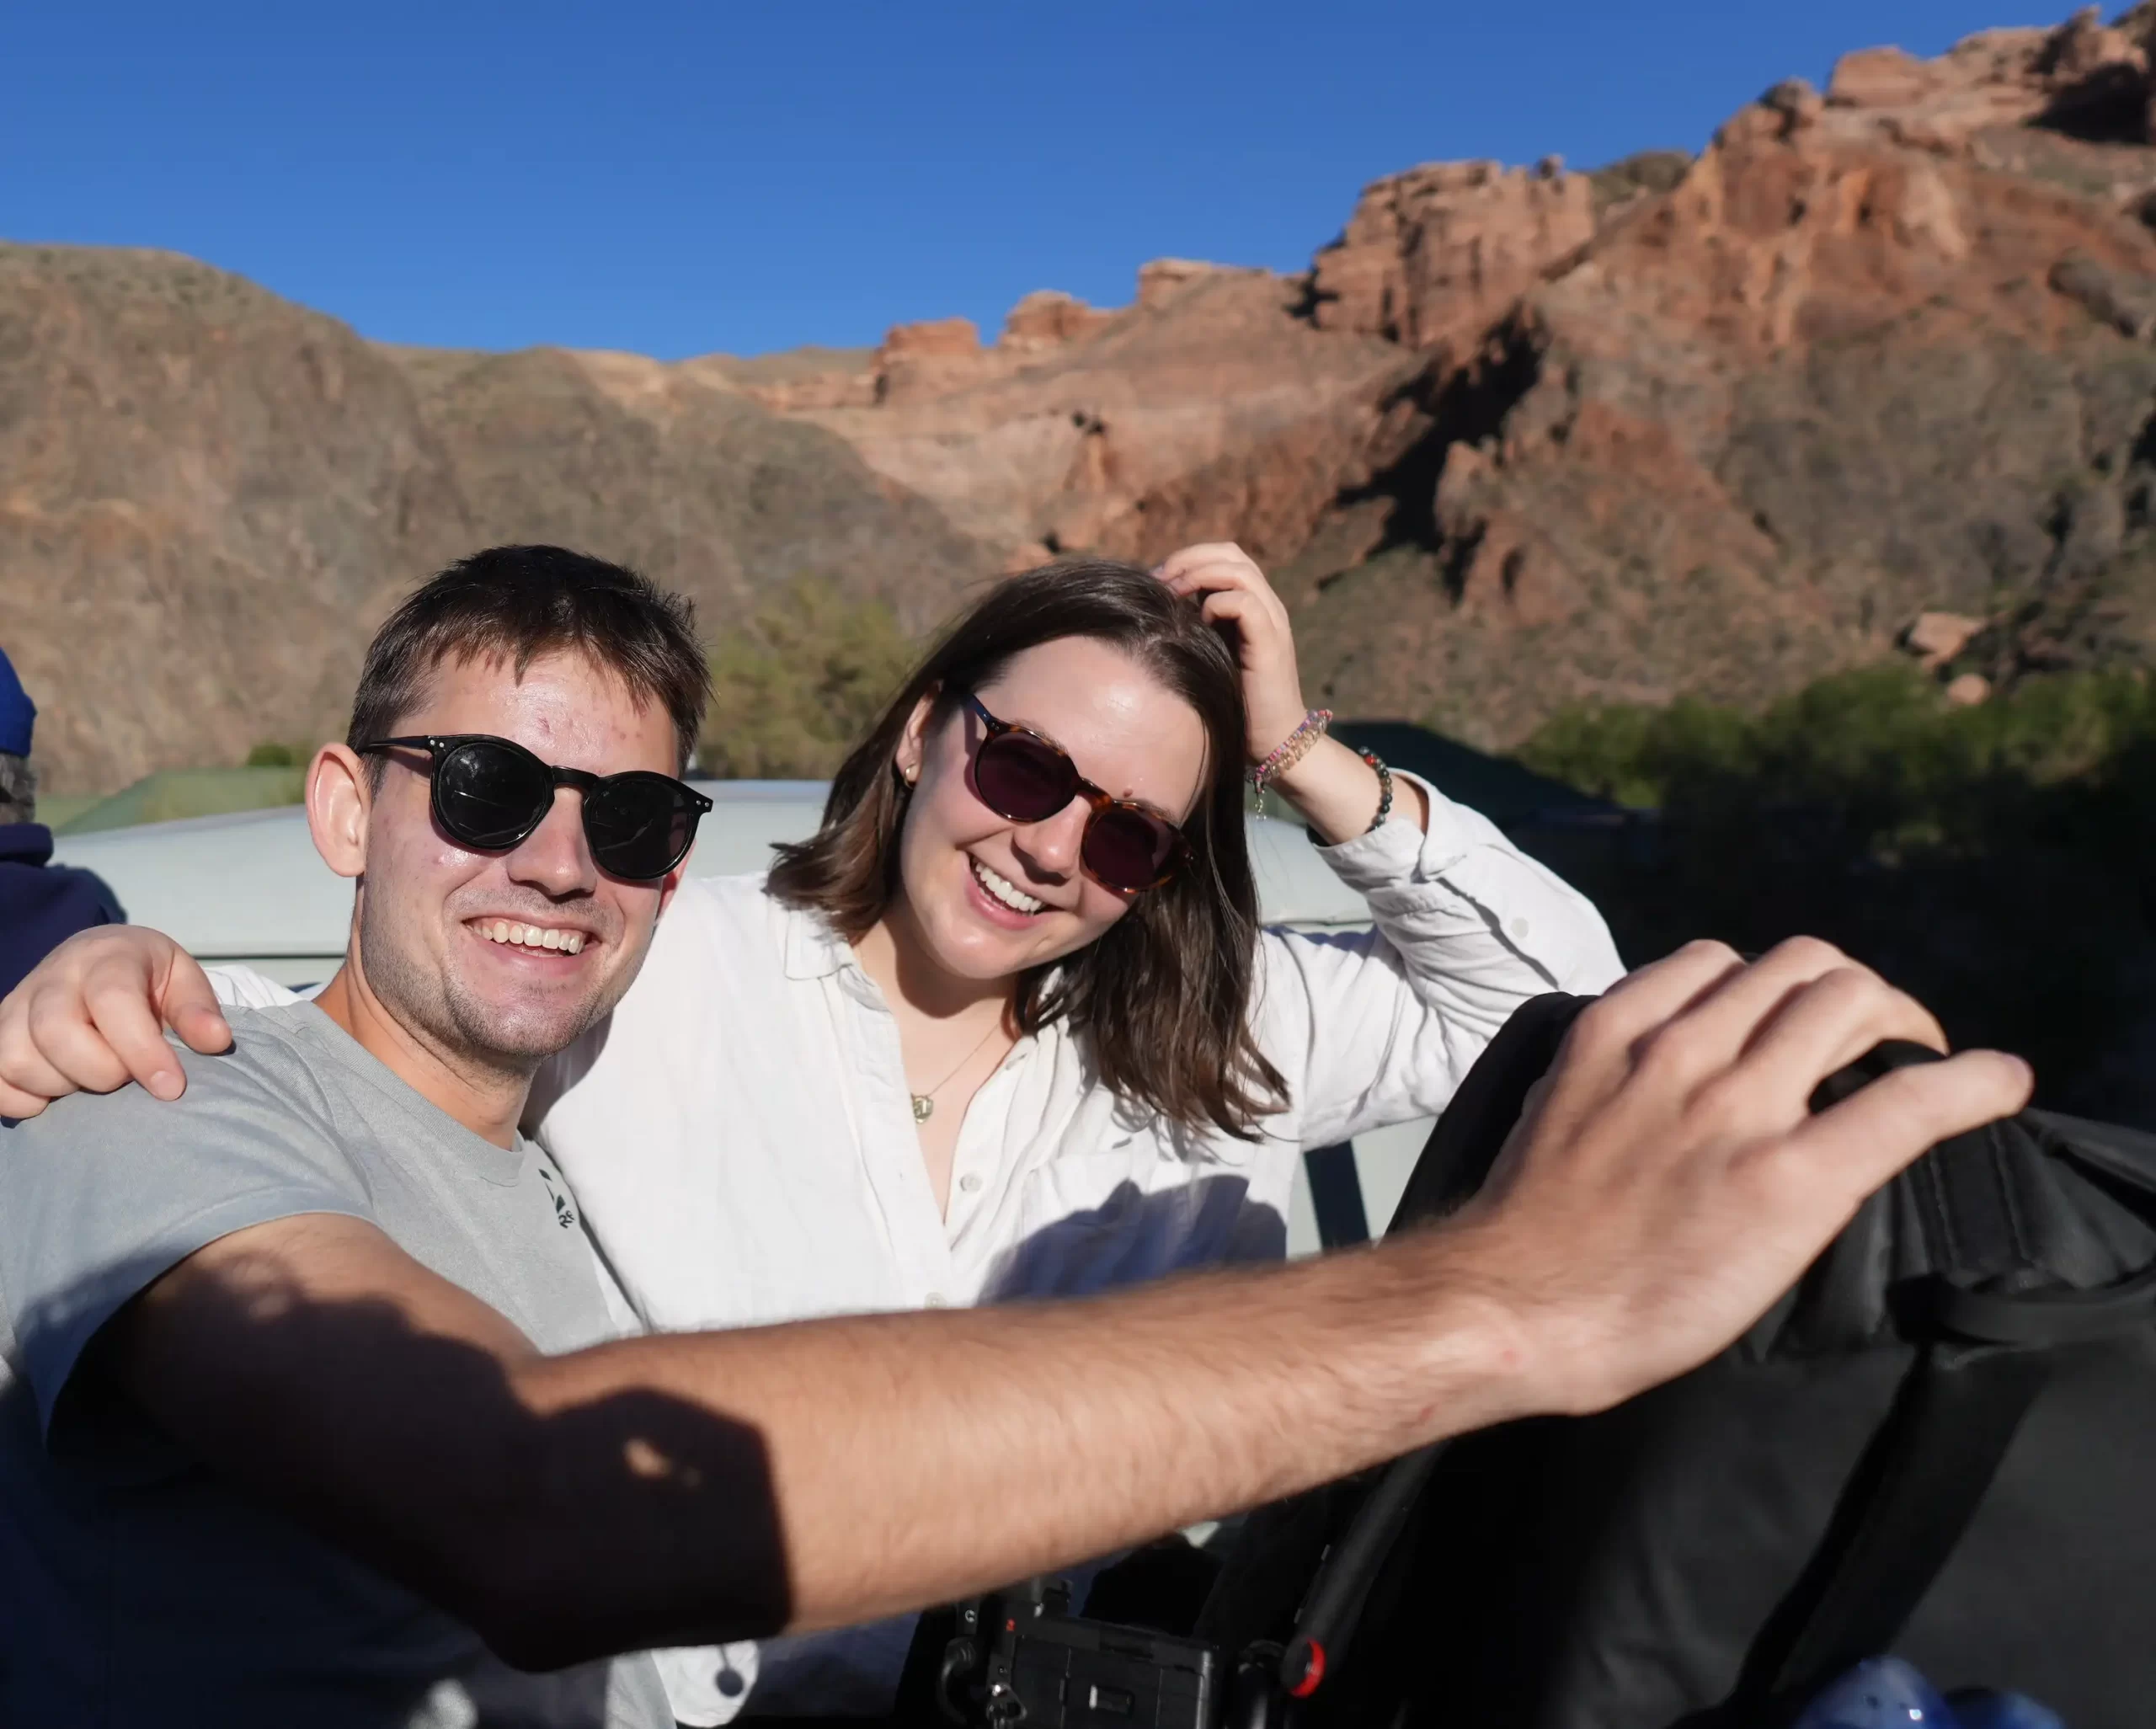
x: 677, y: 178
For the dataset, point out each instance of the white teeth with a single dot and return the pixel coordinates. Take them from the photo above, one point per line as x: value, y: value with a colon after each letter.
x: 532, y: 936
x: 1005, y: 890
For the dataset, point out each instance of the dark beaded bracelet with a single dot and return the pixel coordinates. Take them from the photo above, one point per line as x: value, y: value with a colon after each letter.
x: 1384, y: 800
x: 1385, y: 789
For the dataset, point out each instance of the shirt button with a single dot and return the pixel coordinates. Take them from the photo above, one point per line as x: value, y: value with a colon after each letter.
x: 969, y: 1183
x: 1520, y: 927
x: 936, y: 1299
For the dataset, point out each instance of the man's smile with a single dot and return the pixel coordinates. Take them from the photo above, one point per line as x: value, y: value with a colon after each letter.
x: 514, y: 933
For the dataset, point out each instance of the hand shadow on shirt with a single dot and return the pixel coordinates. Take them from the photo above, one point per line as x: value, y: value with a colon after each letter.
x: 1137, y: 1234
x: 305, y: 1536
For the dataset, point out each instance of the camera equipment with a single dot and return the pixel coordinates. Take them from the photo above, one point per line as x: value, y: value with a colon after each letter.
x: 1021, y: 1656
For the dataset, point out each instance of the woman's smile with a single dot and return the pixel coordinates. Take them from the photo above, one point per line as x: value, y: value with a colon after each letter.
x: 1005, y: 895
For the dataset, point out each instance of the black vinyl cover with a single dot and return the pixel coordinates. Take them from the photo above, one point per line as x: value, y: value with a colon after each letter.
x: 1664, y: 1563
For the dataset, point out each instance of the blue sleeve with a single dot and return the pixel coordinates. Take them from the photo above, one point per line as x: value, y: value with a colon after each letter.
x: 41, y: 906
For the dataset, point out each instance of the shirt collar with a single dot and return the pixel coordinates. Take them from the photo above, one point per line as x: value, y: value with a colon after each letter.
x: 26, y: 843
x: 813, y: 950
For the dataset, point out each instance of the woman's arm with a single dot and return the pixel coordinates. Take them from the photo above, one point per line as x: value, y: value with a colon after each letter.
x: 1335, y: 790
x: 1380, y: 1026
x: 1377, y: 1027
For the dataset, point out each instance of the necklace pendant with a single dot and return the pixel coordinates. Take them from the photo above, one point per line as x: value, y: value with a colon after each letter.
x: 924, y: 1108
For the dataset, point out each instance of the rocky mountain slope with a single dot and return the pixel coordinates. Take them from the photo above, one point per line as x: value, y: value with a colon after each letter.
x: 209, y: 496
x: 1519, y: 436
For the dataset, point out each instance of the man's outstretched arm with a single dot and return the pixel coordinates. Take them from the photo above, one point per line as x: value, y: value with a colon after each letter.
x: 1665, y: 1185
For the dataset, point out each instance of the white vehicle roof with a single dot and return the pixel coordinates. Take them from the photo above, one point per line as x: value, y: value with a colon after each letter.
x: 251, y: 887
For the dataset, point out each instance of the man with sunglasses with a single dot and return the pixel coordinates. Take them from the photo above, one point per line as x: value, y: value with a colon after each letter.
x: 317, y: 1408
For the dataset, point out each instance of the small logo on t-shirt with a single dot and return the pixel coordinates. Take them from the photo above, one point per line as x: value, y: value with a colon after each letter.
x: 564, y: 1214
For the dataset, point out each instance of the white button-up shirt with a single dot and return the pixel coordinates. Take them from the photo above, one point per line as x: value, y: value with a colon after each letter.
x: 741, y: 1137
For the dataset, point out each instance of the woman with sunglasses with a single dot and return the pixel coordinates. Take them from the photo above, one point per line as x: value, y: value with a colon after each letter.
x: 1006, y: 1025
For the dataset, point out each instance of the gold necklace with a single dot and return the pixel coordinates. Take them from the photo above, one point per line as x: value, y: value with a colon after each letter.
x: 924, y: 1103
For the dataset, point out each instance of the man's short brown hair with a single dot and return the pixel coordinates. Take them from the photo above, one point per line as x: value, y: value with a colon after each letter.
x: 517, y: 603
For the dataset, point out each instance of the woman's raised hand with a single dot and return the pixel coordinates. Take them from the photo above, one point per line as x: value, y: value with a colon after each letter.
x: 1336, y: 791
x: 92, y: 1017
x: 1233, y: 589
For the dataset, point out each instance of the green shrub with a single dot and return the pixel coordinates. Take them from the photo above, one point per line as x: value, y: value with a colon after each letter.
x: 271, y: 755
x: 793, y: 688
x: 1878, y: 750
x: 1990, y: 859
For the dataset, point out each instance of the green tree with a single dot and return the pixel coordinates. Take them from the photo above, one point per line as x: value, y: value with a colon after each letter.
x: 795, y: 686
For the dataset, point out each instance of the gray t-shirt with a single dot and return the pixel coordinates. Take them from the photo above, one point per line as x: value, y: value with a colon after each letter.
x: 138, y: 1586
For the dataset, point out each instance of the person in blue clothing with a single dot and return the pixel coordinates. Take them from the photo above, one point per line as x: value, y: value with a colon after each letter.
x: 41, y: 904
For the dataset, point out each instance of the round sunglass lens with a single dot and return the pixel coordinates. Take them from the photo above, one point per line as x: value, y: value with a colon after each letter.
x: 639, y: 828
x: 1128, y: 849
x: 1021, y: 778
x: 488, y: 796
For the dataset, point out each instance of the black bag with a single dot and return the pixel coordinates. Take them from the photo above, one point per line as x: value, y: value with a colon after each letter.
x: 1941, y: 1443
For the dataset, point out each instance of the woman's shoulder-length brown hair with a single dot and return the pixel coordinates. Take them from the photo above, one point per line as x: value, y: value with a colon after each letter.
x: 1163, y: 997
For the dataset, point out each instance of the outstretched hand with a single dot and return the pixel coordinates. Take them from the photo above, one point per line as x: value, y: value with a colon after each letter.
x: 1668, y: 1181
x: 1233, y: 590
x: 92, y: 1017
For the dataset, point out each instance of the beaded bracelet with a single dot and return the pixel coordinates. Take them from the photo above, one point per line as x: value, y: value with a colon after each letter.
x: 1385, y: 789
x: 1290, y: 751
x: 1384, y: 799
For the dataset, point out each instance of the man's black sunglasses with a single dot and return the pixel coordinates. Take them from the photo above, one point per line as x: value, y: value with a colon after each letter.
x: 491, y: 793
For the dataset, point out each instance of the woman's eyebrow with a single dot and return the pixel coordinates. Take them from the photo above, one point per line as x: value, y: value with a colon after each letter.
x: 1122, y: 797
x: 1042, y: 731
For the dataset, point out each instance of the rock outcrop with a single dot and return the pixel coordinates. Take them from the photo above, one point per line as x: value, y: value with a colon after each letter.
x: 1207, y: 408
x: 1438, y: 254
x: 1878, y: 352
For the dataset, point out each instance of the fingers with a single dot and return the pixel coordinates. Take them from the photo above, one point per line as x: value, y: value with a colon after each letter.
x: 1828, y: 1023
x: 203, y: 1029
x: 18, y: 1105
x: 1765, y: 992
x: 1229, y: 603
x: 1652, y: 996
x: 1215, y: 566
x: 1869, y: 1137
x: 88, y: 1018
x: 25, y: 1073
x: 1789, y: 1019
x: 74, y: 1049
x: 119, y: 1036
x: 1176, y: 569
x: 190, y: 1007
